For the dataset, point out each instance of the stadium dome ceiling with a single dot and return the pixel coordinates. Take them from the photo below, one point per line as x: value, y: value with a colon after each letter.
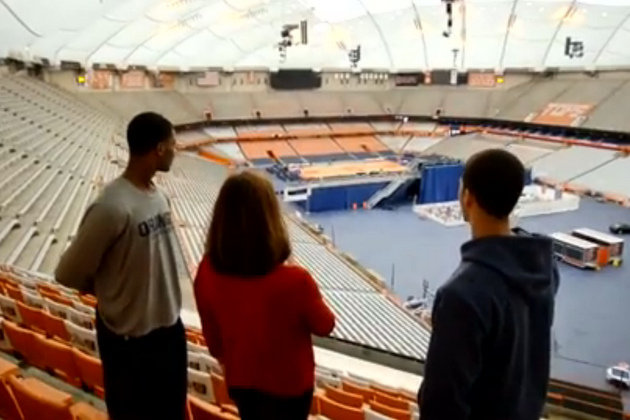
x: 393, y: 34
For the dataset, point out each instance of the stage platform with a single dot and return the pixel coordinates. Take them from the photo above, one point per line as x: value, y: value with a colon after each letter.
x: 350, y: 169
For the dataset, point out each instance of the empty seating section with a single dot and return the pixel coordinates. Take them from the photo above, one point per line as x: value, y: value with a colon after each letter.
x: 278, y: 105
x: 571, y: 162
x: 126, y: 104
x: 351, y: 128
x: 191, y: 136
x: 606, y: 114
x: 257, y: 150
x: 321, y: 148
x: 361, y: 145
x: 353, y: 308
x: 228, y: 105
x: 591, y: 91
x: 420, y: 144
x: 230, y: 149
x: 254, y: 131
x: 338, y: 392
x: 465, y: 102
x: 422, y: 127
x: 462, y: 147
x: 386, y: 125
x: 192, y: 204
x: 332, y: 272
x: 361, y: 104
x: 304, y: 130
x: 297, y: 234
x: 321, y: 103
x: 53, y: 149
x: 526, y: 152
x: 422, y: 102
x: 611, y: 177
x: 220, y: 132
x: 534, y: 99
x: 393, y: 142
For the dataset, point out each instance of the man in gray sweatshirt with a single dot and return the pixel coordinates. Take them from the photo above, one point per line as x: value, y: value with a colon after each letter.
x: 124, y: 252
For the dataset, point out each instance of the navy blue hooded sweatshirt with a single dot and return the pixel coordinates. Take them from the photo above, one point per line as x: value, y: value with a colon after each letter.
x: 490, y: 348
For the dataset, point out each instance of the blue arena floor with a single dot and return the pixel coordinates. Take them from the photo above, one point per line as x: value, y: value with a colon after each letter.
x: 592, y: 324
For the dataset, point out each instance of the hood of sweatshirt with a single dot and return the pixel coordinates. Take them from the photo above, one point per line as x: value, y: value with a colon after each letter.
x: 525, y: 262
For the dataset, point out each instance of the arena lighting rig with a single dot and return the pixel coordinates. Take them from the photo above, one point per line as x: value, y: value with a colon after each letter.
x: 449, y: 18
x: 287, y: 40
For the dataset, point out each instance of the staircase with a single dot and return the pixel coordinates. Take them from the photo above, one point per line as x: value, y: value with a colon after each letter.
x: 386, y: 192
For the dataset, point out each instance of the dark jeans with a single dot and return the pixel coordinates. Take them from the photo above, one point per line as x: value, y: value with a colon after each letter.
x: 145, y: 377
x: 258, y: 405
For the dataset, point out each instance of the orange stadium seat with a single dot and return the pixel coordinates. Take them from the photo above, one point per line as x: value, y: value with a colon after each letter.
x: 32, y: 318
x: 38, y: 401
x: 24, y: 342
x: 57, y: 309
x: 343, y: 397
x: 48, y: 289
x: 384, y: 390
x: 90, y: 371
x: 390, y: 401
x: 363, y: 144
x: 316, y: 146
x: 390, y: 412
x: 9, y: 309
x: 55, y: 327
x: 201, y: 410
x: 88, y: 300
x: 59, y: 358
x: 200, y: 385
x: 366, y: 393
x: 260, y: 149
x: 14, y: 292
x: 56, y: 297
x: 338, y: 411
x: 220, y: 390
x: 9, y: 409
x: 315, y: 406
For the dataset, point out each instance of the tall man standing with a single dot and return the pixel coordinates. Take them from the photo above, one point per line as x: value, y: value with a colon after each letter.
x: 489, y: 353
x: 124, y: 252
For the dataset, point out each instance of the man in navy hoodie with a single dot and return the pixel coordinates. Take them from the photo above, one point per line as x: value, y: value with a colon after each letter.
x: 489, y: 353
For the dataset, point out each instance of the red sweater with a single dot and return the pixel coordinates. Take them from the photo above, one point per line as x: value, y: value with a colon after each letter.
x: 260, y: 328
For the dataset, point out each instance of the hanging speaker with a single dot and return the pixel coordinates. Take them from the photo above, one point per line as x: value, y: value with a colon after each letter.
x: 303, y: 32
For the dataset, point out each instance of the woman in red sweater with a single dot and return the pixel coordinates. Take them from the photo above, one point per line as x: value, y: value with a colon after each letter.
x: 257, y: 311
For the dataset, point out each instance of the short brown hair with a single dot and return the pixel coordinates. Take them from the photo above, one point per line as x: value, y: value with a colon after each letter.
x: 247, y: 235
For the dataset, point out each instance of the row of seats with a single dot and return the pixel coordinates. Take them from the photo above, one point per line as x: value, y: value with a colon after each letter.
x: 52, y: 152
x: 44, y: 343
x: 337, y: 396
x: 27, y: 398
x: 518, y: 102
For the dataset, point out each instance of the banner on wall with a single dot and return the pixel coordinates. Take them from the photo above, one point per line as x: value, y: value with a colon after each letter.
x: 99, y: 79
x: 481, y: 79
x: 133, y: 79
x: 163, y: 80
x: 209, y: 79
x: 563, y: 114
x: 408, y: 79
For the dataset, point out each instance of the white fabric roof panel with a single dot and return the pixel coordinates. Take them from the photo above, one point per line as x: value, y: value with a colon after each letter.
x: 394, y: 34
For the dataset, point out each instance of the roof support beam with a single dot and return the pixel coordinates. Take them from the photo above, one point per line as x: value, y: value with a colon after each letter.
x: 380, y: 33
x: 510, y: 23
x: 610, y: 38
x: 421, y: 29
x: 555, y: 34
